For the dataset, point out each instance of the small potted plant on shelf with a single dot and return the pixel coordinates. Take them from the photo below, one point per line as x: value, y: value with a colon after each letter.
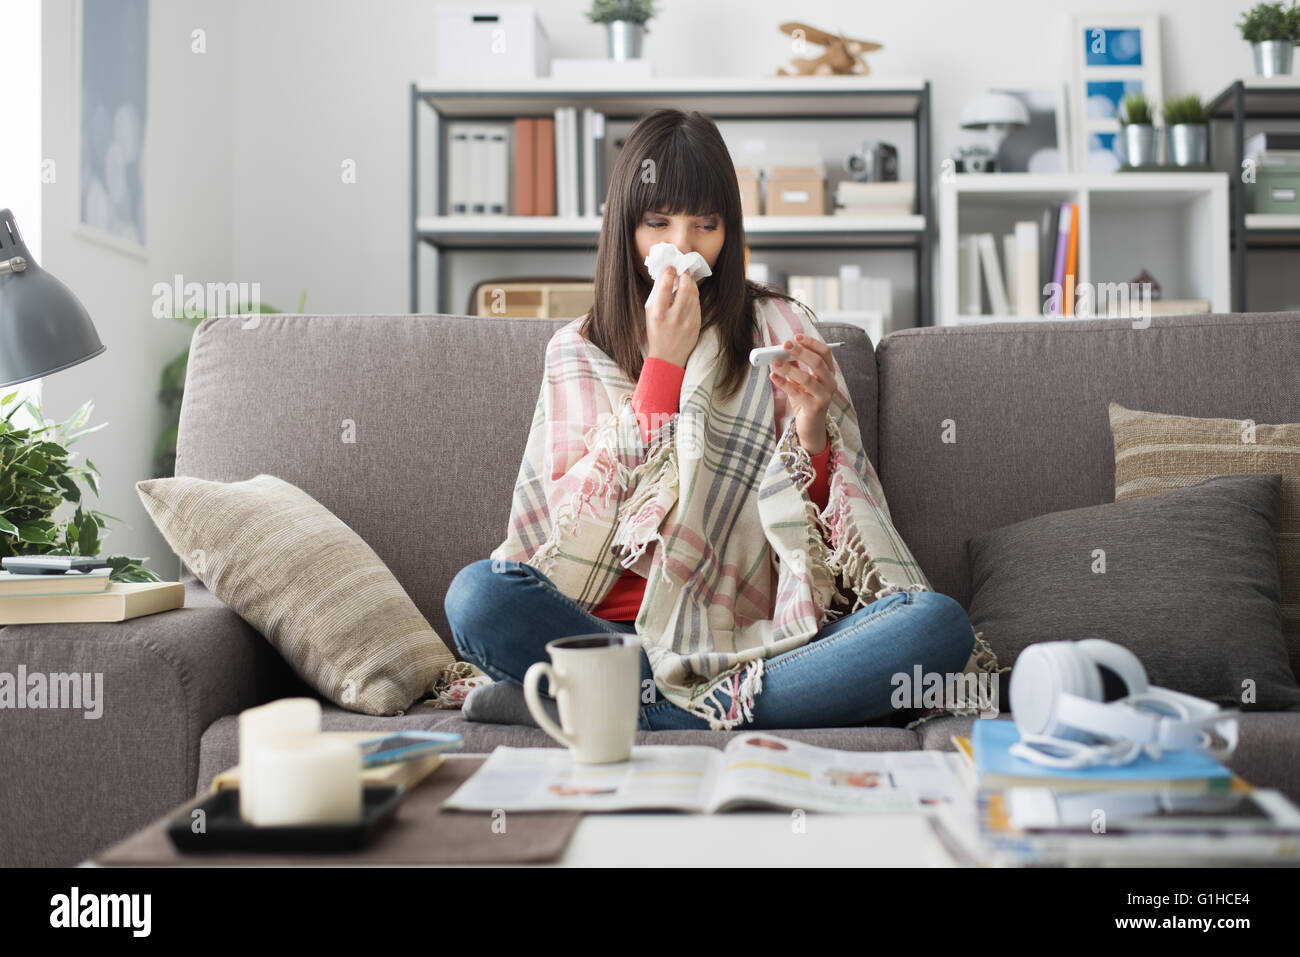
x: 1187, y: 121
x: 625, y: 22
x: 1273, y: 31
x: 1139, y: 132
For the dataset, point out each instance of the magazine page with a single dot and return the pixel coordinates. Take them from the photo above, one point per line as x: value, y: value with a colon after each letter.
x: 656, y: 777
x: 763, y: 770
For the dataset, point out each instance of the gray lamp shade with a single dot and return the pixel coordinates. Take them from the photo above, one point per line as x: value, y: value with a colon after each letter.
x: 43, y: 326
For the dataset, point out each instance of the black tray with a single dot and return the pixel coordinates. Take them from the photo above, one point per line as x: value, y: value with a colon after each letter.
x: 226, y: 831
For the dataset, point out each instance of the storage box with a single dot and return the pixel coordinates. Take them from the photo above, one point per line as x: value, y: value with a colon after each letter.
x: 532, y: 298
x: 748, y: 179
x: 491, y: 41
x: 795, y: 191
x: 1276, y: 189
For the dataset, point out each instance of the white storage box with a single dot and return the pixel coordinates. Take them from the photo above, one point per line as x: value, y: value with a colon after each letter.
x: 493, y: 41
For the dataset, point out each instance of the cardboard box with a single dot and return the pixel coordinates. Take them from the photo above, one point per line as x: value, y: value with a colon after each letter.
x: 749, y: 196
x: 795, y: 191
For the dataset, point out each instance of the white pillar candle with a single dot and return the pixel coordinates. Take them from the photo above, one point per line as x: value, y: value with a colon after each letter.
x: 307, y: 779
x: 262, y: 726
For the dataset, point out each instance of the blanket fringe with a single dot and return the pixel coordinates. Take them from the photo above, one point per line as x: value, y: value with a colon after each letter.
x: 654, y: 482
x: 820, y: 567
x: 608, y: 474
x: 455, y: 683
x: 741, y: 685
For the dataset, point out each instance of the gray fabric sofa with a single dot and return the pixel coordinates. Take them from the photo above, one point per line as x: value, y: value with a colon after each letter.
x: 441, y: 407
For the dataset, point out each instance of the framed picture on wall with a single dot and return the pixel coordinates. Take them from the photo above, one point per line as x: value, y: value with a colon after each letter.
x: 111, y: 90
x: 1111, y: 55
x: 1044, y: 145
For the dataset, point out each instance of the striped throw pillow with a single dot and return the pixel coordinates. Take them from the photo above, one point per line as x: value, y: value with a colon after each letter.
x: 298, y: 574
x: 1155, y: 452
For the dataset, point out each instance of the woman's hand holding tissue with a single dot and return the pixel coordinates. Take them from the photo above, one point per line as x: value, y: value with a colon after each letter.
x: 808, y: 387
x: 673, y: 328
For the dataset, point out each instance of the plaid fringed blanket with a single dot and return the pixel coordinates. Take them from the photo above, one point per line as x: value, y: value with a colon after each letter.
x: 740, y: 564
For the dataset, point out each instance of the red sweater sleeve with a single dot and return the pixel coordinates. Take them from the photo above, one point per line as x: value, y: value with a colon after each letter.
x: 820, y: 489
x: 658, y: 393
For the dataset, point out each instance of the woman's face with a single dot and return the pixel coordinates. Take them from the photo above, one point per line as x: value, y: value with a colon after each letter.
x: 699, y: 234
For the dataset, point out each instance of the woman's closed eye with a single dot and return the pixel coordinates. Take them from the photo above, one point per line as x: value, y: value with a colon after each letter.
x: 660, y: 224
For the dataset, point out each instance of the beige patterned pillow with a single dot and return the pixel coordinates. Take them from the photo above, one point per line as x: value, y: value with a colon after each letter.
x: 1155, y: 452
x: 295, y: 572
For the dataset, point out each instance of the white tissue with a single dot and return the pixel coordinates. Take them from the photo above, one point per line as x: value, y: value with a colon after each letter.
x: 663, y: 255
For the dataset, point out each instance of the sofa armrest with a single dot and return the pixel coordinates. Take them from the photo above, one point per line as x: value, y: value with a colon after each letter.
x: 74, y: 779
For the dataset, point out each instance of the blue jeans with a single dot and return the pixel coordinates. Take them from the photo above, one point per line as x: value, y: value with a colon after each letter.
x: 501, y: 621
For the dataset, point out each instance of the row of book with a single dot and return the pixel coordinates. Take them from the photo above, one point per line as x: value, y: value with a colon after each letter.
x: 1184, y: 807
x: 849, y: 291
x: 1034, y: 256
x: 528, y: 166
x: 82, y: 596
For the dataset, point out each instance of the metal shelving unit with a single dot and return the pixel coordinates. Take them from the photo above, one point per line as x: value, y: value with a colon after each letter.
x: 1254, y: 98
x: 722, y: 98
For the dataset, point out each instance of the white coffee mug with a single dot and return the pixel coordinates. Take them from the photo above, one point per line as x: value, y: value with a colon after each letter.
x: 596, y: 682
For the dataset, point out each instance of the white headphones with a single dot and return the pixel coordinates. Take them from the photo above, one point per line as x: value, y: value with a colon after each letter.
x: 1083, y: 703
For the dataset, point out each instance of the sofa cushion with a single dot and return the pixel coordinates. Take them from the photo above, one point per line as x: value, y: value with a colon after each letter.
x: 1156, y: 452
x: 985, y: 425
x: 306, y: 581
x: 1185, y: 579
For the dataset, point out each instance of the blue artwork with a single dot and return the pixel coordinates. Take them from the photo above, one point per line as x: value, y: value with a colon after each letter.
x: 1107, y: 46
x: 114, y: 99
x: 1105, y: 96
x: 1103, y: 152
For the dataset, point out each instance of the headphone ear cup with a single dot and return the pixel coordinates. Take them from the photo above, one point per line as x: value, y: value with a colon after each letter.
x: 1119, y: 660
x: 1041, y: 674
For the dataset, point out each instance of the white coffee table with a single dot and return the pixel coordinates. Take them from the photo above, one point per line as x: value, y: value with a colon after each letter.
x: 754, y: 839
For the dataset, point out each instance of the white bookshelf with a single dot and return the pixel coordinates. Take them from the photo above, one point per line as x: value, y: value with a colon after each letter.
x: 850, y: 99
x: 1174, y: 225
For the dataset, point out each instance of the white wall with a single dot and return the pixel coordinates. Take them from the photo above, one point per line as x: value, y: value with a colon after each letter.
x: 321, y: 81
x: 190, y: 134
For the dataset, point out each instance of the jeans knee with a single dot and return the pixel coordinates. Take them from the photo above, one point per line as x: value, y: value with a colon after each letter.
x: 469, y: 589
x: 950, y: 631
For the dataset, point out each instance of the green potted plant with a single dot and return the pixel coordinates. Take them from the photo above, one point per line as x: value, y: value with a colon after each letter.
x: 38, y: 477
x: 1187, y: 122
x: 625, y: 22
x: 1135, y: 116
x: 1273, y: 31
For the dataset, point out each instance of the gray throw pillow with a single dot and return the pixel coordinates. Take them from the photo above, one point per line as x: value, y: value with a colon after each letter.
x: 1186, y: 579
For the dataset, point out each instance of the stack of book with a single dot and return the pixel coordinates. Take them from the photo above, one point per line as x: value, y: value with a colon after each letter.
x: 873, y: 199
x: 1184, y: 808
x: 82, y: 596
x: 528, y: 166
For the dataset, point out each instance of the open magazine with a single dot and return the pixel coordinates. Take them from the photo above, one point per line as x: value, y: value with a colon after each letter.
x: 753, y: 770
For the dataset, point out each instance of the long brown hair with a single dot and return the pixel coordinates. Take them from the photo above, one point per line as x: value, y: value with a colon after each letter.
x: 678, y: 163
